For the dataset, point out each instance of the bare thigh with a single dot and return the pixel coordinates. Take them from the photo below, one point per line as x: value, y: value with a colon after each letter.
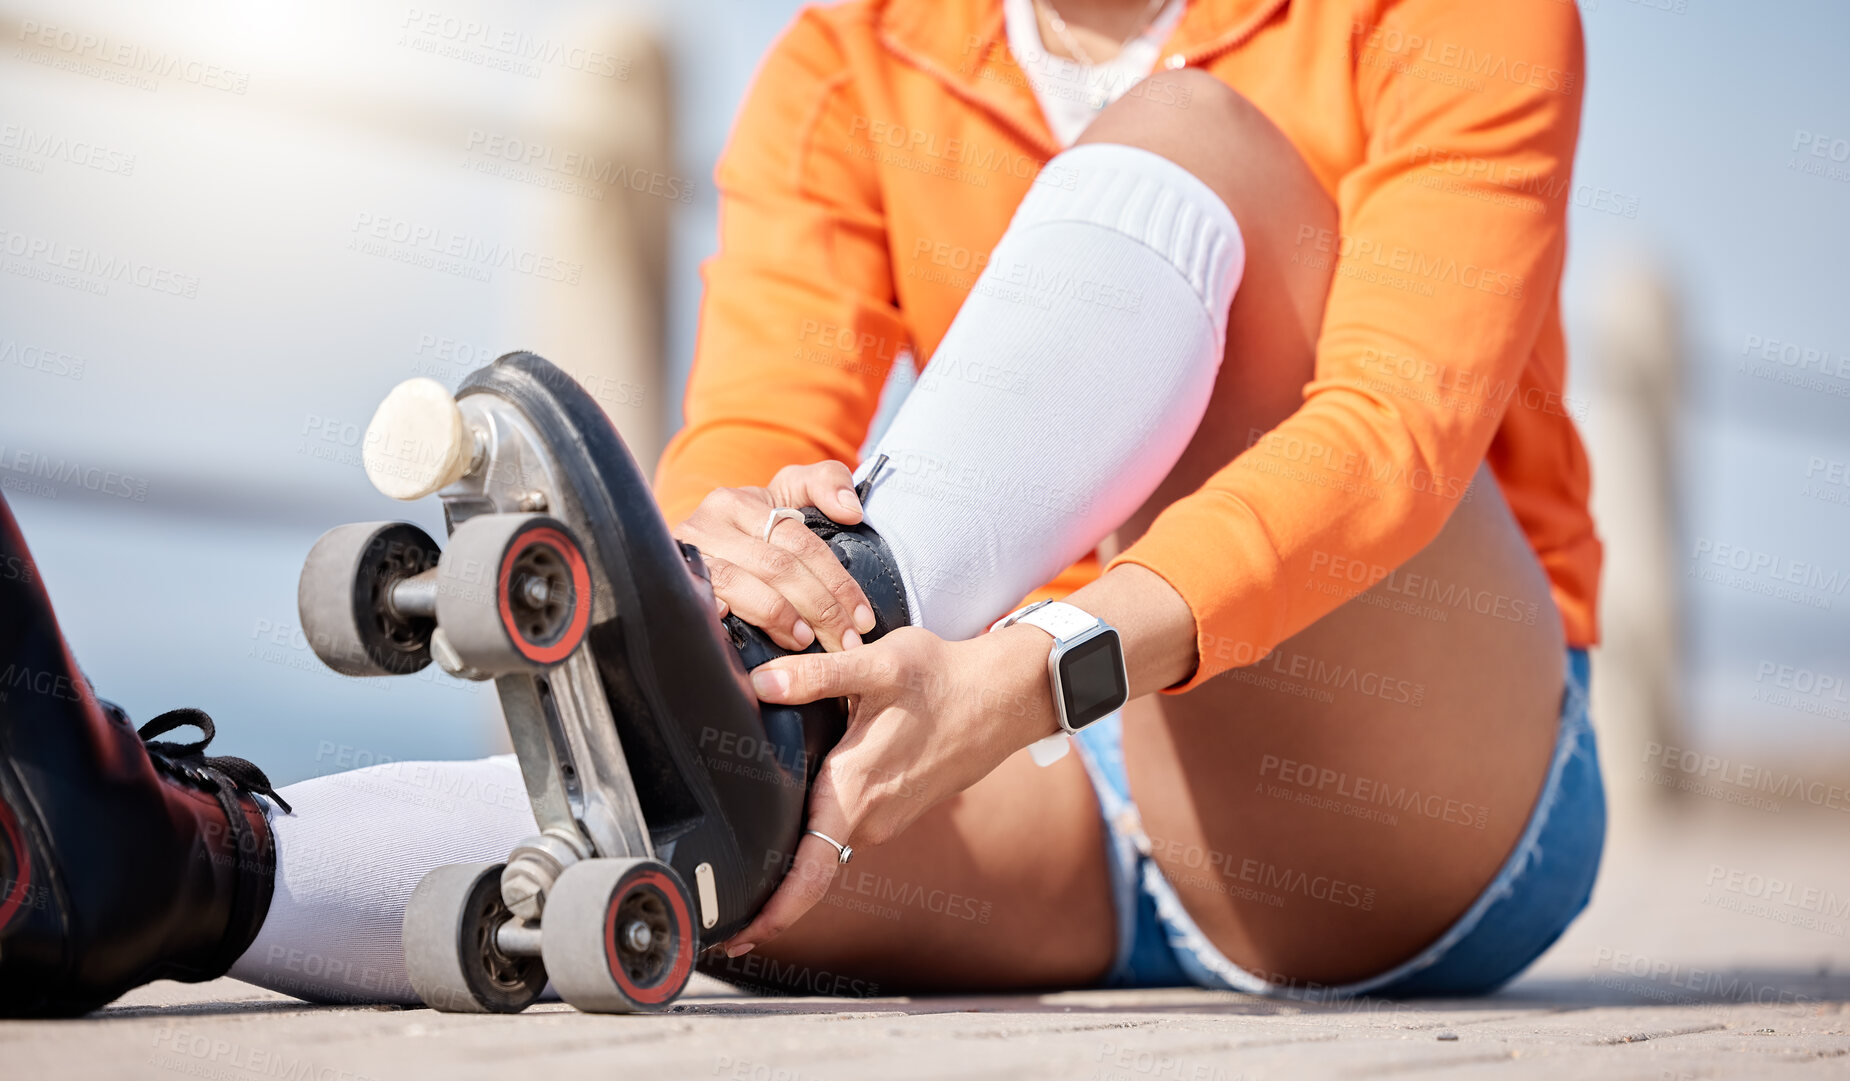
x: 1330, y: 810
x: 1327, y: 811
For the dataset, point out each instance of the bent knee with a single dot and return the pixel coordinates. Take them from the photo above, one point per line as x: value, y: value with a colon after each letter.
x: 1215, y: 132
x: 1173, y: 106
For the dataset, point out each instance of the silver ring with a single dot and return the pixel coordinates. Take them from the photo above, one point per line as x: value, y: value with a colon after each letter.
x: 778, y: 514
x: 843, y: 853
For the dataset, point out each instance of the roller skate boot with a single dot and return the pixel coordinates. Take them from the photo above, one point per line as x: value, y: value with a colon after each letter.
x: 664, y: 793
x: 124, y: 858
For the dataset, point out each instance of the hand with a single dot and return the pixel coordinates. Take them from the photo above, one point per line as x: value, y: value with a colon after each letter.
x: 792, y: 586
x: 926, y: 719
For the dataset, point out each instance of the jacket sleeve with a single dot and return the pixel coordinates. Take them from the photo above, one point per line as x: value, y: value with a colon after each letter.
x: 798, y: 323
x: 1447, y: 262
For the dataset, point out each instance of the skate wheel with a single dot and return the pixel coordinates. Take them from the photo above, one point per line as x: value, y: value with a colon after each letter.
x: 450, y: 950
x: 513, y: 593
x: 618, y: 935
x: 417, y: 442
x: 343, y: 594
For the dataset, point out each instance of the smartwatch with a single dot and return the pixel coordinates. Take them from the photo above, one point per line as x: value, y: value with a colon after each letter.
x: 1086, y: 667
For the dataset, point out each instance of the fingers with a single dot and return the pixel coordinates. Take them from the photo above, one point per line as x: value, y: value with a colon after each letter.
x: 827, y: 486
x: 806, y: 884
x: 800, y: 567
x: 815, y: 596
x: 811, y: 870
x: 756, y: 602
x: 844, y: 614
x: 811, y: 677
x: 873, y: 784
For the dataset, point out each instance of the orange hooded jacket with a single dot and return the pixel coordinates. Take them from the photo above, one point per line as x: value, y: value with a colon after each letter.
x: 886, y: 143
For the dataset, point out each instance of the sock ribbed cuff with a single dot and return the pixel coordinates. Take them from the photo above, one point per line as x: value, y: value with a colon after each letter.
x: 1152, y: 200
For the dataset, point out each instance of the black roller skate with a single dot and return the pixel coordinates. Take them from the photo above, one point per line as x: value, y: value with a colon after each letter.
x: 123, y: 858
x: 665, y: 795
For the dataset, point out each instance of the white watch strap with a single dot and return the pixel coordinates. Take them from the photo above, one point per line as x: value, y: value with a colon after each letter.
x: 1061, y: 620
x: 1064, y: 621
x: 1050, y: 749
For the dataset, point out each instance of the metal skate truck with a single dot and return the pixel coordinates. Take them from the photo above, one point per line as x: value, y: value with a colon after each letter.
x: 560, y: 582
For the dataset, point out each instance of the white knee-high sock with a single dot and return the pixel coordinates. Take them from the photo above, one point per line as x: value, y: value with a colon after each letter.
x: 349, y: 857
x: 1066, y: 388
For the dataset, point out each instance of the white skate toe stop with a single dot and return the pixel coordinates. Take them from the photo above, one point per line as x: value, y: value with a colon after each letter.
x: 417, y: 442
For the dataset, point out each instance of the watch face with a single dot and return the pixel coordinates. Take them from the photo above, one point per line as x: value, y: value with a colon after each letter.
x: 1092, y: 679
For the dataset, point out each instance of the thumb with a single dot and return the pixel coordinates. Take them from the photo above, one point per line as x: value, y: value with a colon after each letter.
x: 827, y: 486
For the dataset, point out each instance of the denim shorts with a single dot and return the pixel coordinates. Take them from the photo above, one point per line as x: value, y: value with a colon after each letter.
x: 1543, y: 885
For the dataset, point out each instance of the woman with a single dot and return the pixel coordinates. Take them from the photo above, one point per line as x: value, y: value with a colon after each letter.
x: 1360, y: 567
x: 1278, y: 337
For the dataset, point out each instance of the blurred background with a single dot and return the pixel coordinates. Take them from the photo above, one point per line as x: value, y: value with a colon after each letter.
x: 275, y: 212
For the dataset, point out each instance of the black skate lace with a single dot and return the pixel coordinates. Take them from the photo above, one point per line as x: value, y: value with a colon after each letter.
x: 228, y: 774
